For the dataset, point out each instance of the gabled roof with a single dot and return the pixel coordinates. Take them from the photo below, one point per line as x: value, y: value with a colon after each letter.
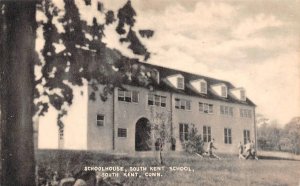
x: 164, y: 85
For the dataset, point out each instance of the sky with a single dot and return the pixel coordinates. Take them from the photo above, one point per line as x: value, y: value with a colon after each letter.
x: 252, y: 44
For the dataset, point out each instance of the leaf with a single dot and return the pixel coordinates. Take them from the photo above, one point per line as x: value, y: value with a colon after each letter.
x: 146, y: 33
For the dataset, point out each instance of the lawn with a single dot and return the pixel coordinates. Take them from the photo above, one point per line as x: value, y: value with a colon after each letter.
x: 227, y: 171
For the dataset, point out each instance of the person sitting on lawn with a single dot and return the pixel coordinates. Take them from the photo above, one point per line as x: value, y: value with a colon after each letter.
x: 241, y: 150
x: 210, y: 148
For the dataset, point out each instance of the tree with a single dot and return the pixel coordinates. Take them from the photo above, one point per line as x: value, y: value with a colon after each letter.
x: 194, y: 144
x: 161, y: 126
x: 17, y: 88
x: 292, y: 132
x: 269, y: 136
x: 85, y: 58
x: 59, y: 71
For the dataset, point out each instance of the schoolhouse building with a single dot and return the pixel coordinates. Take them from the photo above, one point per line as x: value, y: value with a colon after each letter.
x: 123, y: 122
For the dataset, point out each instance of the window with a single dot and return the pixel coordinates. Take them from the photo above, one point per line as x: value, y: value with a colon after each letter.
x: 122, y: 132
x: 177, y: 103
x: 163, y: 101
x: 150, y: 99
x: 182, y: 104
x: 246, y: 136
x: 205, y: 107
x: 183, y: 131
x: 226, y: 110
x: 222, y: 110
x: 128, y: 96
x: 210, y: 108
x: 203, y: 87
x: 245, y: 113
x: 155, y: 75
x: 100, y: 120
x: 187, y: 105
x: 157, y: 100
x: 180, y: 83
x: 223, y: 91
x: 230, y: 111
x: 243, y: 95
x: 121, y: 95
x: 227, y: 136
x: 135, y: 96
x: 206, y: 133
x: 249, y: 114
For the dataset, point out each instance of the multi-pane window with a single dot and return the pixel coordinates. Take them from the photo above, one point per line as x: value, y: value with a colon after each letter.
x: 100, y: 120
x: 121, y: 95
x: 227, y: 136
x: 206, y: 133
x: 135, y: 96
x: 226, y: 110
x: 243, y: 95
x: 180, y: 83
x: 155, y: 75
x: 150, y: 99
x: 183, y: 131
x: 245, y: 113
x: 128, y: 96
x: 177, y: 103
x: 182, y: 104
x: 223, y: 91
x: 205, y: 107
x: 163, y: 101
x: 203, y: 87
x: 246, y: 136
x: 157, y: 100
x: 122, y: 132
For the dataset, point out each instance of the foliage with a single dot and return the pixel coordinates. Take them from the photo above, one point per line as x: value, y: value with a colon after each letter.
x: 271, y: 137
x: 161, y: 125
x: 84, y: 58
x: 292, y: 133
x: 195, y: 143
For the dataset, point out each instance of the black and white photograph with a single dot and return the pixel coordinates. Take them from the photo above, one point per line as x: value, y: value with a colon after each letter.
x: 150, y: 92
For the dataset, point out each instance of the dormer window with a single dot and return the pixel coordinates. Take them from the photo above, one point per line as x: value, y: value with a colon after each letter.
x: 176, y: 81
x: 155, y: 75
x: 223, y: 91
x: 243, y: 95
x: 180, y: 83
x: 203, y: 87
x: 199, y: 86
x: 239, y: 93
x: 220, y: 89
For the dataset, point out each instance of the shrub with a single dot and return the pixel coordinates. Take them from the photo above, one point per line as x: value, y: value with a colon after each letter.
x: 195, y: 143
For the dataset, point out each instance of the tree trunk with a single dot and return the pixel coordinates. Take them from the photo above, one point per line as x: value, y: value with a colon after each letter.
x: 17, y: 85
x: 160, y: 156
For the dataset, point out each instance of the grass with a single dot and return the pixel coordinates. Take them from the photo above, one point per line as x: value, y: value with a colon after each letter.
x: 228, y: 171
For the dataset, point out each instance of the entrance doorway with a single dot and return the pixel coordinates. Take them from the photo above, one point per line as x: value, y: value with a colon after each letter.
x: 143, y: 140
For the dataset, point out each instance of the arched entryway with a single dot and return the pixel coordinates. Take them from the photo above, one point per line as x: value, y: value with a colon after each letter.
x: 143, y: 140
